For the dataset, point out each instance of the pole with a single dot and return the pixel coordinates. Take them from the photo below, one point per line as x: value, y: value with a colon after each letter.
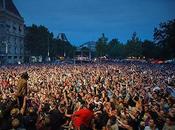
x: 89, y: 56
x: 48, y: 49
x: 81, y: 56
x: 6, y: 48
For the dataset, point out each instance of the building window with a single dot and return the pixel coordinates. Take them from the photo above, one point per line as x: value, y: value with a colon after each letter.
x: 2, y: 25
x: 8, y: 26
x: 15, y: 50
x: 14, y: 28
x: 9, y: 57
x: 9, y: 48
x: 15, y: 57
x: 20, y: 29
x: 15, y: 40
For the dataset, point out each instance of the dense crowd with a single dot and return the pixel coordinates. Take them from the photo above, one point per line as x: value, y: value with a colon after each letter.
x: 121, y: 96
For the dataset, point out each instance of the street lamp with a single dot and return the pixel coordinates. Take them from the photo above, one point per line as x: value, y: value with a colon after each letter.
x: 48, y: 49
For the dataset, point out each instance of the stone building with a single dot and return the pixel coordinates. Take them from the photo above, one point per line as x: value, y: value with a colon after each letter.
x: 11, y: 33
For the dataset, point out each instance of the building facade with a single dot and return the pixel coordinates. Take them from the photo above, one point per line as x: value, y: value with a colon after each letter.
x: 11, y: 33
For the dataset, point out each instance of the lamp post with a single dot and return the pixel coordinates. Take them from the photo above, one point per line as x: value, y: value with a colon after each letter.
x: 48, y: 49
x: 6, y: 50
x: 6, y: 47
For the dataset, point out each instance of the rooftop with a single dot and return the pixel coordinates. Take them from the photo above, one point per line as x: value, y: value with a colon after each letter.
x: 9, y: 6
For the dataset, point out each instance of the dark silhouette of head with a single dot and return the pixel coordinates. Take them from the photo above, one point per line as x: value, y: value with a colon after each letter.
x: 91, y: 106
x: 25, y: 76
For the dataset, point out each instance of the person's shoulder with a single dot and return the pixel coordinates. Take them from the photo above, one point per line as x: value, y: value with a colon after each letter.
x: 89, y: 111
x: 23, y: 80
x: 21, y: 129
x: 114, y: 127
x: 82, y: 110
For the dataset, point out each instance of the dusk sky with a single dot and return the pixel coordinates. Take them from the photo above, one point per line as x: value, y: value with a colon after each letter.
x: 86, y: 20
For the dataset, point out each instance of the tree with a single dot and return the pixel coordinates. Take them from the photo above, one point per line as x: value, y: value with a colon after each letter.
x: 115, y: 49
x: 150, y: 49
x: 134, y: 46
x: 164, y: 37
x: 37, y: 40
x: 62, y: 48
x: 69, y: 49
x: 101, y: 46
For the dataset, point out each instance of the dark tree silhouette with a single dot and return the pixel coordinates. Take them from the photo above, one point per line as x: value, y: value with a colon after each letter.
x: 164, y: 37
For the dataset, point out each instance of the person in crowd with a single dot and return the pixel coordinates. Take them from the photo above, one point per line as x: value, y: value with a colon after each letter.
x: 22, y: 89
x: 83, y: 118
x: 125, y: 96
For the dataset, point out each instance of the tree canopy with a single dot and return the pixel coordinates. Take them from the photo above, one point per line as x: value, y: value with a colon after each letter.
x: 163, y: 45
x: 39, y: 42
x: 37, y: 39
x: 164, y: 37
x: 101, y: 46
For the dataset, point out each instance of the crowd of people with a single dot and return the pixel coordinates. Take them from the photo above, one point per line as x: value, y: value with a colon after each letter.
x: 120, y: 96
